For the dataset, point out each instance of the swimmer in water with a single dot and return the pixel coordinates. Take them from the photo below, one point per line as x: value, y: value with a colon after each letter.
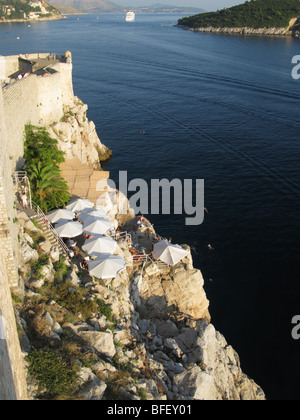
x: 210, y: 247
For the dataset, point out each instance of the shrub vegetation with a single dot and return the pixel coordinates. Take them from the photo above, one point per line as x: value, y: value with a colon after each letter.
x: 55, y: 372
x: 42, y: 158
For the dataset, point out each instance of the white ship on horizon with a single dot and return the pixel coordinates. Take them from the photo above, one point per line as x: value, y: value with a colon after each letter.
x: 130, y: 16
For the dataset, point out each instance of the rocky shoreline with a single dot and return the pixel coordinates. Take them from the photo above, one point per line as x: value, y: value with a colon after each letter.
x: 77, y: 136
x: 144, y: 335
x: 242, y: 31
x: 154, y: 343
x: 43, y: 19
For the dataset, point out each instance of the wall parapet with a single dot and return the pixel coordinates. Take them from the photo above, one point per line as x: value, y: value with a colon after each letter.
x: 40, y: 101
x: 12, y: 376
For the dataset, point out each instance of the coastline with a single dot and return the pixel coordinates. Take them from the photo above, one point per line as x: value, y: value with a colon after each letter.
x: 162, y: 313
x: 241, y: 31
x: 45, y: 19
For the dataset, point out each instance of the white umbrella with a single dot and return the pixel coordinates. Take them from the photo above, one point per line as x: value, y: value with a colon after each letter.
x: 99, y: 244
x: 68, y: 229
x: 86, y: 213
x: 168, y: 253
x: 60, y: 214
x: 107, y: 266
x: 97, y: 226
x: 79, y: 204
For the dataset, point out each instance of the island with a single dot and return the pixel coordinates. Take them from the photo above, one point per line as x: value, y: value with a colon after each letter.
x: 262, y: 17
x: 27, y: 10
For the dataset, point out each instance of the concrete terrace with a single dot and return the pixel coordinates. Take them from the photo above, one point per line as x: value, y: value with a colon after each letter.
x: 83, y: 180
x: 11, y: 67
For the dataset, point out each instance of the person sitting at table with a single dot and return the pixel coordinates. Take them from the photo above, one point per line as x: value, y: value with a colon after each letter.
x: 141, y: 221
x: 85, y: 264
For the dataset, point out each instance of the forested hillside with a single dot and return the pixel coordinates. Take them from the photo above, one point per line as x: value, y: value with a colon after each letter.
x: 25, y: 9
x: 254, y: 14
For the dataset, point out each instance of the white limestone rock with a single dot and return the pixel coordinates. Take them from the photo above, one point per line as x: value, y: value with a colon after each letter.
x: 102, y: 341
x: 93, y: 388
x: 28, y: 253
x: 197, y: 384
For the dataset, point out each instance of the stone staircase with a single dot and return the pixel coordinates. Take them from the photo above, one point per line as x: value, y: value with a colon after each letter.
x: 48, y: 233
x: 45, y: 226
x: 34, y: 212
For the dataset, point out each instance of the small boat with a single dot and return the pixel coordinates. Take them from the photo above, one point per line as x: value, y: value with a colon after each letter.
x: 130, y: 16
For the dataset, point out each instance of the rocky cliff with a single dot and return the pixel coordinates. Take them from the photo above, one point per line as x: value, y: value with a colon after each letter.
x: 144, y: 335
x: 244, y: 31
x: 77, y: 136
x: 133, y: 337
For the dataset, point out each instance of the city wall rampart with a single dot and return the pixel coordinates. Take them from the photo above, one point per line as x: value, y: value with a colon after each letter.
x: 37, y: 99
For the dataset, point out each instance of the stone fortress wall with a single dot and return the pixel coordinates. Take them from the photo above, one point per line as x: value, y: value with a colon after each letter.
x: 38, y: 99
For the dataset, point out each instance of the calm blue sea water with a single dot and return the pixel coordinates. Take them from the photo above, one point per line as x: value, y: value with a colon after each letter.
x: 220, y: 108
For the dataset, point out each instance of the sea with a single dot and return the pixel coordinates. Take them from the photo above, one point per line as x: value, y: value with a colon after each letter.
x: 174, y: 104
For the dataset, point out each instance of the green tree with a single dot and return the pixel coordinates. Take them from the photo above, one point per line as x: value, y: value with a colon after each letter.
x: 49, y: 188
x: 42, y: 158
x: 40, y: 147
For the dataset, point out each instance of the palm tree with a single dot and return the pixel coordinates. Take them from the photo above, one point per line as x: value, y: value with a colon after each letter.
x: 49, y: 189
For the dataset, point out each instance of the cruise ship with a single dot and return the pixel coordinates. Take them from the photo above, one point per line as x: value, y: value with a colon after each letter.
x: 130, y: 16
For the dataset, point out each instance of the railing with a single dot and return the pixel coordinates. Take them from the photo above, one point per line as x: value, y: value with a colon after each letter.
x: 49, y: 226
x: 137, y: 258
x: 21, y: 180
x: 121, y: 236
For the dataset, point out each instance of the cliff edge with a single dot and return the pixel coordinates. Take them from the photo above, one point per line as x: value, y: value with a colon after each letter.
x: 133, y: 337
x: 145, y: 334
x: 77, y: 136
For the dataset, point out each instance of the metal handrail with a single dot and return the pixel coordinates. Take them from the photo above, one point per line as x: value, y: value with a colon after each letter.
x: 140, y: 257
x: 20, y: 176
x: 122, y: 235
x: 58, y: 239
